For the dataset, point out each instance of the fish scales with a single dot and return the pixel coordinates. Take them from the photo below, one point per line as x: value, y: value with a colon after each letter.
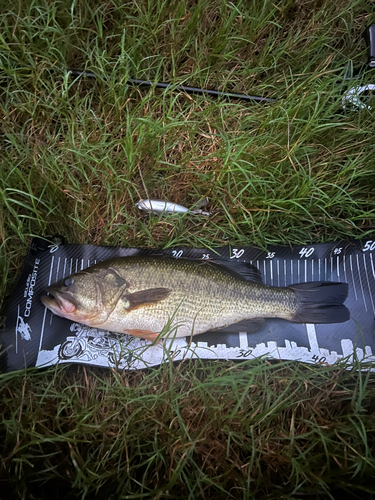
x: 202, y: 297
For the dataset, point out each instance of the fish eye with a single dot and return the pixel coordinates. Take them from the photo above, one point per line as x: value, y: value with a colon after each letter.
x: 68, y: 281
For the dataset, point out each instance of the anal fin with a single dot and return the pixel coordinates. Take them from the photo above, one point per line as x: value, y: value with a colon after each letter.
x: 247, y: 325
x: 145, y: 334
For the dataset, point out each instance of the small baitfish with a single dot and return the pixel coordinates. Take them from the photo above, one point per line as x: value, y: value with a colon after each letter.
x: 141, y: 295
x: 161, y: 207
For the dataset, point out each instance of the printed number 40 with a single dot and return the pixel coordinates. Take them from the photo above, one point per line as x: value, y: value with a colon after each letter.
x: 369, y: 245
x: 306, y: 252
x: 319, y: 360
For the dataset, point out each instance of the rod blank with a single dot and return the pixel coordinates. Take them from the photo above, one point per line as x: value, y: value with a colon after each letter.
x: 181, y: 88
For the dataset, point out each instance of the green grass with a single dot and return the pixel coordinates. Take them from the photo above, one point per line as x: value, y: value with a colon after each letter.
x: 213, y: 430
x: 76, y: 155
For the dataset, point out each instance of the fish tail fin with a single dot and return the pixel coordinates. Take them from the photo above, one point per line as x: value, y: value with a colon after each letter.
x: 321, y: 302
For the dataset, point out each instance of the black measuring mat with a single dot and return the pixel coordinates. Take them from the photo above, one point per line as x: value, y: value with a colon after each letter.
x: 33, y: 336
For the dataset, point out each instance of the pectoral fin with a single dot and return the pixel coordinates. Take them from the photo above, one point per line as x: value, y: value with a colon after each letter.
x: 144, y: 298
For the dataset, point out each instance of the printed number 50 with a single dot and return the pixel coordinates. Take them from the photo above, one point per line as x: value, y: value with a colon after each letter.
x: 369, y: 245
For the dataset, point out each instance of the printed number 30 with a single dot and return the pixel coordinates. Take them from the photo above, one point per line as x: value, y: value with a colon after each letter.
x: 237, y: 253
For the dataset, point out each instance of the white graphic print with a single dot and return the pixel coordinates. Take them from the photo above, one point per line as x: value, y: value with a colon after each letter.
x: 22, y: 329
x: 91, y: 343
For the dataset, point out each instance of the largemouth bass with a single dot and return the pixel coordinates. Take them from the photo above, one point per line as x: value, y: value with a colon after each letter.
x: 141, y: 295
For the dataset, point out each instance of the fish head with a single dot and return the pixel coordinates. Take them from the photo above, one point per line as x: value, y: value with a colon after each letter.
x: 86, y: 297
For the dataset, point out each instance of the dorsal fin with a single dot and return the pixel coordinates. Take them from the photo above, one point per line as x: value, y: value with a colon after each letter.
x: 241, y: 270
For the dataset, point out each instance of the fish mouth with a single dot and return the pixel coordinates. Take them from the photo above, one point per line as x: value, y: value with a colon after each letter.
x: 59, y: 302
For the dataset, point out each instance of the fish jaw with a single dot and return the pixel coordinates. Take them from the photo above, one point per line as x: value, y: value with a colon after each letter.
x: 62, y: 305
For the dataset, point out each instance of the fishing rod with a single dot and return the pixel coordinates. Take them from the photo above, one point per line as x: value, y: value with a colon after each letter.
x: 180, y: 88
x: 351, y: 98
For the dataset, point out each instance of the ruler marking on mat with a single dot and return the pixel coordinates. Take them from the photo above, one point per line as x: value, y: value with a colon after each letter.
x: 285, y: 272
x: 298, y: 277
x: 360, y: 280
x: 278, y: 273
x: 58, y: 267
x: 319, y: 269
x: 368, y: 282
x: 351, y: 269
x: 372, y: 266
x: 271, y: 272
x: 291, y: 271
x: 325, y: 269
x: 264, y: 271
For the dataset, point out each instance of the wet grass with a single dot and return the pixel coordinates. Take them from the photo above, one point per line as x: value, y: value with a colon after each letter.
x: 212, y: 430
x: 76, y: 155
